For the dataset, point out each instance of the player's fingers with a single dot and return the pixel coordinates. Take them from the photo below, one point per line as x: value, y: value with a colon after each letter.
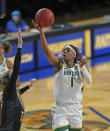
x: 20, y: 38
x: 19, y: 33
x: 33, y: 79
x: 33, y: 22
x: 35, y: 25
x: 84, y: 58
x: 38, y: 26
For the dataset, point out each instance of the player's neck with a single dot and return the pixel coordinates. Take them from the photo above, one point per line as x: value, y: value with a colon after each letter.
x: 69, y: 63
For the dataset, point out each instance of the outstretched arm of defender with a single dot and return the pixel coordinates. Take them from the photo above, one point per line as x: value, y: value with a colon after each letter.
x: 16, y: 65
x: 54, y: 60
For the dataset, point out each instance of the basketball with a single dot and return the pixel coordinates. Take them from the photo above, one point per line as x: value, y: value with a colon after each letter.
x: 44, y: 17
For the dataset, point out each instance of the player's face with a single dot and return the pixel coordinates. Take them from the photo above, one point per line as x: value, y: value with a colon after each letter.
x: 1, y: 50
x: 68, y: 54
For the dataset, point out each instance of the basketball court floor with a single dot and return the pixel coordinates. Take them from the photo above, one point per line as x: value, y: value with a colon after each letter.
x: 96, y: 102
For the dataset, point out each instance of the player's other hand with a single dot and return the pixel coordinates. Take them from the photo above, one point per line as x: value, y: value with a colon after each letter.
x: 83, y: 61
x: 31, y: 83
x: 37, y: 26
x: 20, y: 41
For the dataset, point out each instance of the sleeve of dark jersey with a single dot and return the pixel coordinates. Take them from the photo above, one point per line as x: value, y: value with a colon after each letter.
x: 24, y: 89
x: 16, y: 67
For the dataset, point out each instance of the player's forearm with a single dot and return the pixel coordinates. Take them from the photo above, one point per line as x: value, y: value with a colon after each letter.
x: 44, y: 43
x: 22, y: 90
x: 86, y: 75
x: 51, y: 56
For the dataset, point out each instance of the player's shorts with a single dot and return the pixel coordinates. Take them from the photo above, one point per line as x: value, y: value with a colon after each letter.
x: 68, y: 114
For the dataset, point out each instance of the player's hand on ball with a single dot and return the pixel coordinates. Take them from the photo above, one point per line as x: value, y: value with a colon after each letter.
x: 31, y: 83
x: 37, y: 26
x: 83, y: 61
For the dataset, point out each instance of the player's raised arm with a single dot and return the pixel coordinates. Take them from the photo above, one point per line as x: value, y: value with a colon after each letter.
x: 54, y: 60
x: 16, y: 65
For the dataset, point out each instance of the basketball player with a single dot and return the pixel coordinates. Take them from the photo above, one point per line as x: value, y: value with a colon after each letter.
x: 5, y: 64
x: 69, y: 76
x: 5, y: 47
x: 12, y: 107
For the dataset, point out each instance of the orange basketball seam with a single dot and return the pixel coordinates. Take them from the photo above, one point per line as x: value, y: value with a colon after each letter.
x: 44, y: 17
x: 51, y: 17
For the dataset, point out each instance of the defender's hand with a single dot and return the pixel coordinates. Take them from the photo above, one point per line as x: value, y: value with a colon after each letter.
x: 20, y: 41
x: 31, y: 83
